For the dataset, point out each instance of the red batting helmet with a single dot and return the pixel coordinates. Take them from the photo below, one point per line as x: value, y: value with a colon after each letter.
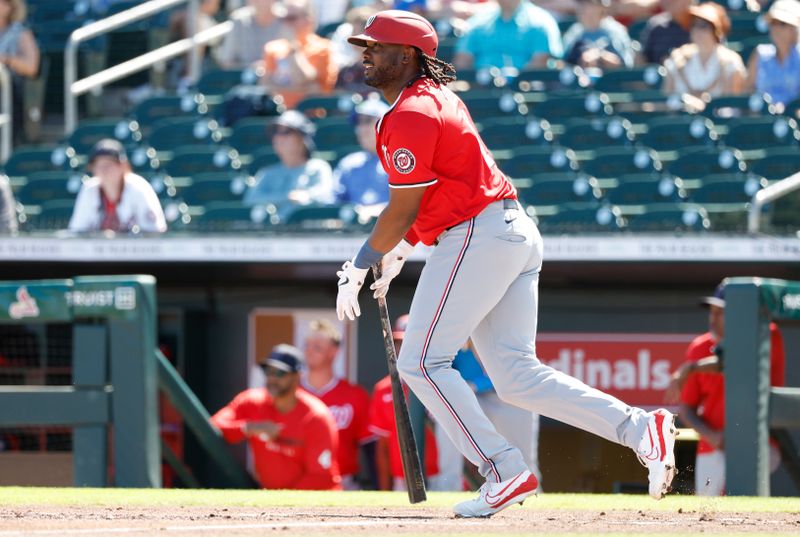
x: 399, y: 28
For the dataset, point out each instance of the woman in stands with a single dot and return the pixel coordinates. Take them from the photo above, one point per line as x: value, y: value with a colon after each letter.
x: 774, y: 68
x: 19, y: 53
x: 705, y: 67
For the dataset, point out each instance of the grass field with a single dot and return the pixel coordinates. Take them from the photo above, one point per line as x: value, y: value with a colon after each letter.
x: 56, y: 511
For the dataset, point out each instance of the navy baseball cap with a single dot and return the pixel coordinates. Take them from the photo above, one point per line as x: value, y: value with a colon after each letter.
x: 286, y: 358
x: 717, y: 299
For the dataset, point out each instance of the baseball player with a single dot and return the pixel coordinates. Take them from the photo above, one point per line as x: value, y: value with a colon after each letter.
x: 349, y: 403
x: 291, y: 433
x: 481, y: 279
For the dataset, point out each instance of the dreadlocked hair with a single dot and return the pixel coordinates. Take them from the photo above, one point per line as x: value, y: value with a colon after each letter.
x: 437, y: 70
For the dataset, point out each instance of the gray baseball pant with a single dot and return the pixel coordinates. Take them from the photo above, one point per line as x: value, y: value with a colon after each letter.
x: 481, y: 282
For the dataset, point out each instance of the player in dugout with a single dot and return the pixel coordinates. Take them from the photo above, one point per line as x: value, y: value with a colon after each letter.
x: 480, y: 280
x: 291, y: 433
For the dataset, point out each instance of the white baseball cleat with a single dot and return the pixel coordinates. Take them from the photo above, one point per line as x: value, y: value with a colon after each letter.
x: 494, y: 497
x: 656, y: 452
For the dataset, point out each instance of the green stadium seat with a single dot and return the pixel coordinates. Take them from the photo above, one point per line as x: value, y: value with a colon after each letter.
x: 673, y: 132
x: 639, y: 78
x: 486, y: 104
x: 582, y: 218
x: 25, y: 160
x: 230, y: 217
x: 217, y: 82
x: 559, y: 109
x: 750, y: 133
x: 322, y: 106
x: 694, y: 163
x: 334, y: 133
x: 90, y: 131
x: 727, y: 188
x: 320, y: 217
x: 53, y: 215
x: 777, y: 163
x: 530, y: 162
x: 250, y: 134
x: 746, y: 46
x: 262, y: 158
x: 645, y: 189
x: 167, y: 134
x: 746, y: 24
x: 726, y: 108
x: 582, y: 134
x: 508, y: 132
x: 547, y: 79
x: 154, y: 109
x: 785, y: 213
x: 613, y: 162
x: 670, y: 217
x: 209, y: 187
x: 558, y: 191
x: 792, y: 109
x: 44, y: 186
x: 191, y: 160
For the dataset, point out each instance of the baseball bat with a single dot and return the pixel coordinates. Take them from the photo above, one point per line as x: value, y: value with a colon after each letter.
x: 415, y: 480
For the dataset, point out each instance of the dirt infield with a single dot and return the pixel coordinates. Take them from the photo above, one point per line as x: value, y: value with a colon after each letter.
x: 362, y: 521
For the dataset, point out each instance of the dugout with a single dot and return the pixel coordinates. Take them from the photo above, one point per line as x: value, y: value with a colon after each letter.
x: 208, y: 290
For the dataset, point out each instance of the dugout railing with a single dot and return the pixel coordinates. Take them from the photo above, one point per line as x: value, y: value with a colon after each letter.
x: 116, y: 375
x: 752, y: 407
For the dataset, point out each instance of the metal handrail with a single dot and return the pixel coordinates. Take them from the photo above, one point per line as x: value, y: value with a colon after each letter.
x: 111, y: 23
x: 768, y: 194
x: 6, y: 113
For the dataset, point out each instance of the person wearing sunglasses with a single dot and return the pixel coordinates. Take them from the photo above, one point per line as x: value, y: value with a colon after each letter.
x: 774, y: 68
x: 705, y: 67
x: 291, y: 433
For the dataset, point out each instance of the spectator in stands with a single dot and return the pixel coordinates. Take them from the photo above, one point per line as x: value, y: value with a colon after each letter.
x: 455, y: 13
x: 328, y: 12
x: 512, y: 34
x: 359, y: 177
x: 349, y: 403
x: 8, y: 211
x: 666, y: 31
x: 291, y: 433
x: 774, y: 68
x: 115, y: 198
x: 302, y: 64
x: 705, y: 67
x: 244, y: 46
x: 382, y: 423
x: 596, y: 39
x: 348, y: 57
x: 19, y: 53
x: 297, y: 179
x: 698, y: 385
x: 179, y: 29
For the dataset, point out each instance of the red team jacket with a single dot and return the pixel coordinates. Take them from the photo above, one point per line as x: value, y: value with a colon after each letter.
x: 706, y: 391
x: 428, y: 138
x: 382, y: 423
x: 349, y: 405
x: 303, y: 456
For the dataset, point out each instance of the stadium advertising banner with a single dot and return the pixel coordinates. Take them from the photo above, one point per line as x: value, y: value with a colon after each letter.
x: 633, y: 367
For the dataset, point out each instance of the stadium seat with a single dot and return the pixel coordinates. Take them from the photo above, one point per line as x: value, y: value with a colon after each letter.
x: 44, y: 186
x: 321, y: 106
x: 749, y: 133
x: 250, y: 134
x: 673, y: 132
x: 582, y: 134
x: 792, y: 109
x: 644, y: 77
x: 25, y: 160
x: 612, y: 162
x: 785, y: 213
x: 547, y: 79
x: 746, y: 24
x: 154, y: 109
x: 217, y: 82
x: 508, y: 132
x: 777, y: 163
x: 727, y: 188
x: 191, y: 160
x: 335, y: 133
x: 558, y: 191
x: 208, y: 187
x: 486, y: 104
x: 229, y: 216
x: 645, y: 189
x: 670, y: 217
x: 53, y: 215
x: 167, y: 134
x: 694, y: 163
x: 320, y: 217
x: 89, y: 132
x: 582, y: 218
x: 529, y: 162
x: 559, y: 109
x: 726, y: 108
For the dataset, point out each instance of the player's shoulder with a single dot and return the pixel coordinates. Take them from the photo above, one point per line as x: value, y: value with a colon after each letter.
x: 137, y: 182
x: 254, y: 396
x: 700, y: 346
x: 311, y: 403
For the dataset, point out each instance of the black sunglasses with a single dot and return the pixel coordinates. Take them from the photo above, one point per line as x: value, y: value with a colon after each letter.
x: 274, y: 372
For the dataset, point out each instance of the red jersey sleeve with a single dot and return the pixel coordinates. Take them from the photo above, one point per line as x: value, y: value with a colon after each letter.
x: 381, y: 417
x: 777, y: 369
x: 698, y: 348
x: 230, y: 418
x: 321, y: 470
x: 410, y: 146
x: 361, y: 415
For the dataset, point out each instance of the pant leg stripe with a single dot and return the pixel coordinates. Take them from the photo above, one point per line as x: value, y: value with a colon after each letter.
x: 428, y: 338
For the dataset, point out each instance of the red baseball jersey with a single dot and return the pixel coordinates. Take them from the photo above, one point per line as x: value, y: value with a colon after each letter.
x: 382, y: 423
x: 349, y: 405
x: 304, y: 454
x: 427, y: 138
x: 706, y: 391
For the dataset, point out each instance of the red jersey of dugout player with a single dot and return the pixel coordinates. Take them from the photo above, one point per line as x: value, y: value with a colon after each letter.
x: 349, y: 403
x: 291, y: 433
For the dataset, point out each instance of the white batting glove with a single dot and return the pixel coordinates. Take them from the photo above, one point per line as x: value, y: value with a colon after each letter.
x: 350, y: 281
x: 391, y: 265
